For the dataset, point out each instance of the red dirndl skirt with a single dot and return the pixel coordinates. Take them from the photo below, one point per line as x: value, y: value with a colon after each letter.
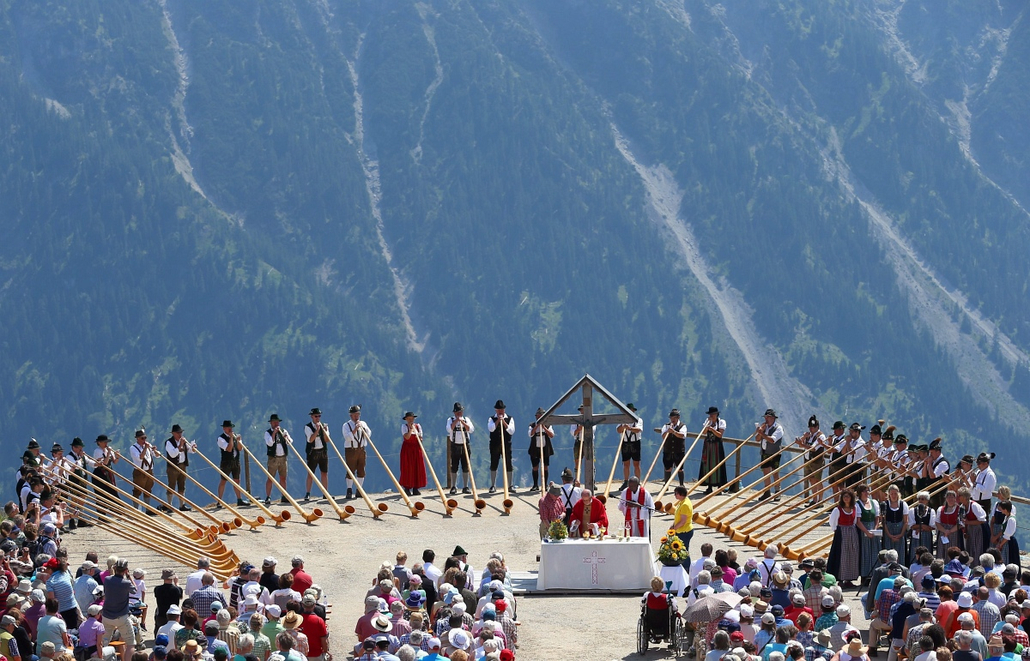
x: 413, y: 467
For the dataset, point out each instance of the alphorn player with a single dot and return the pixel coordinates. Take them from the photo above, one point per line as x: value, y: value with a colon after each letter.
x: 141, y: 453
x: 316, y: 450
x: 177, y: 452
x: 356, y: 434
x: 540, y: 449
x: 103, y: 475
x: 229, y: 443
x: 940, y: 467
x: 712, y: 452
x: 813, y: 442
x: 630, y: 452
x: 80, y: 462
x: 501, y: 427
x: 277, y: 456
x: 674, y: 447
x: 413, y: 466
x: 836, y: 461
x: 459, y: 429
x: 855, y: 456
x: 578, y: 432
x: 770, y: 435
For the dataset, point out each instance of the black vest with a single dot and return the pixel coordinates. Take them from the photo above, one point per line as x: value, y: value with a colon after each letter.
x: 277, y: 440
x: 184, y: 461
x: 225, y: 453
x: 500, y: 430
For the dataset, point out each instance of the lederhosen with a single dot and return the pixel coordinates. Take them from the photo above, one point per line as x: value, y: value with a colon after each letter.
x: 630, y: 445
x: 457, y: 452
x: 230, y: 461
x: 317, y: 458
x: 499, y: 434
x: 175, y: 470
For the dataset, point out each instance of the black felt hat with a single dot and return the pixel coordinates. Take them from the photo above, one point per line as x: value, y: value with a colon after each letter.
x: 274, y: 418
x: 499, y: 404
x: 713, y: 409
x: 354, y: 409
x: 838, y: 425
x: 176, y: 428
x: 875, y: 429
x: 674, y: 412
x: 102, y: 437
x: 771, y: 412
x: 631, y: 407
x: 457, y: 408
x: 77, y: 442
x: 409, y: 414
x: 315, y: 411
x: 813, y: 421
x: 227, y: 423
x: 33, y: 444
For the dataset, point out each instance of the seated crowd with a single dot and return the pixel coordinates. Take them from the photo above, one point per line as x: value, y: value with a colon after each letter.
x: 935, y: 609
x: 434, y: 612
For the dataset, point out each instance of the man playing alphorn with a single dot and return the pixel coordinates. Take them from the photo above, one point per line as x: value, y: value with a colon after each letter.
x: 316, y: 450
x: 540, y: 449
x: 770, y: 435
x: 142, y: 455
x: 277, y: 455
x: 177, y: 450
x: 501, y: 427
x: 356, y: 434
x: 459, y: 429
x: 675, y: 433
x: 630, y: 446
x: 230, y: 444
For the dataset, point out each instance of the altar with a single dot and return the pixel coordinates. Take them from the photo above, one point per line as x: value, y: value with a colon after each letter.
x: 596, y: 565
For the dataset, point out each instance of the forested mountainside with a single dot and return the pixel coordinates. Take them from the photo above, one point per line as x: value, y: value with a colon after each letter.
x: 227, y: 208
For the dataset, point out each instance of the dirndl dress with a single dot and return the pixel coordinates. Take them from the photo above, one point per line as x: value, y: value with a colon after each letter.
x: 922, y: 515
x: 894, y: 523
x: 870, y: 545
x: 976, y: 537
x: 844, y: 561
x: 413, y: 466
x: 948, y: 520
x: 1010, y: 550
x: 712, y: 453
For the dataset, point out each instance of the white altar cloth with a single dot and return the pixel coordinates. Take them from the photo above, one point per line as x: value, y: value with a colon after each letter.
x: 593, y: 565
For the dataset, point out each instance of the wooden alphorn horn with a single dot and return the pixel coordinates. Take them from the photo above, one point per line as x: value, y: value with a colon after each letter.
x: 316, y: 512
x: 278, y: 519
x: 579, y: 456
x: 448, y: 504
x: 707, y: 517
x: 679, y: 467
x: 376, y: 511
x: 257, y: 521
x: 210, y: 546
x: 192, y: 533
x: 416, y: 507
x: 716, y: 468
x: 507, y: 502
x: 224, y: 526
x: 775, y: 483
x: 611, y: 475
x: 220, y: 569
x: 476, y: 500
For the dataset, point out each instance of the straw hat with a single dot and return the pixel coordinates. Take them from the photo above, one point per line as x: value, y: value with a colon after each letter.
x: 291, y: 620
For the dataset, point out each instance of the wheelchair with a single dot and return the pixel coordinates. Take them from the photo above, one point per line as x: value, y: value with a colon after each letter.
x: 659, y: 626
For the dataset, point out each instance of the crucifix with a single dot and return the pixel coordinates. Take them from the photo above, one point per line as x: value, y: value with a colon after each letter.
x: 593, y: 561
x: 586, y: 420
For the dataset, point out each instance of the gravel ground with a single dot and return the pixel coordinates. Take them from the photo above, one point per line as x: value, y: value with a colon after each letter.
x: 344, y: 557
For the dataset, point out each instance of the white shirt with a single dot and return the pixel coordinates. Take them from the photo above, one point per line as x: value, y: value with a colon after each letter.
x: 632, y: 432
x: 172, y: 450
x: 573, y: 494
x: 432, y: 572
x: 984, y: 485
x: 509, y: 429
x: 462, y: 435
x: 837, y: 443
x: 311, y: 430
x: 223, y: 445
x: 697, y: 566
x: 857, y: 449
x: 356, y: 433
x: 194, y: 582
x: 912, y: 516
x: 169, y: 629
x: 280, y: 450
x: 637, y: 513
x: 720, y: 425
x: 416, y: 429
x: 1010, y: 529
x: 100, y: 454
x: 766, y: 568
x: 142, y: 457
x: 977, y: 511
x: 775, y: 433
x: 541, y: 439
x: 941, y: 468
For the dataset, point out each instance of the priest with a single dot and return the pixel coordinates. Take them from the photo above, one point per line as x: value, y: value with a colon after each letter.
x: 588, y: 515
x: 636, y: 505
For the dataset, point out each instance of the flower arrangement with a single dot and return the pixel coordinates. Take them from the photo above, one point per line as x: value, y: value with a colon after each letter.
x: 671, y: 552
x: 557, y: 531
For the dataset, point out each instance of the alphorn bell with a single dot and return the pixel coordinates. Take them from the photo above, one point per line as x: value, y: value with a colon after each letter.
x: 224, y: 526
x: 278, y: 519
x: 416, y: 507
x: 376, y: 511
x: 252, y: 523
x: 448, y: 503
x: 476, y: 500
x: 315, y: 512
x: 309, y: 517
x: 674, y: 473
x: 192, y: 533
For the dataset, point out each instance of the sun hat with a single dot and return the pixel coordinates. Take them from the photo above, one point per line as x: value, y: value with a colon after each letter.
x: 965, y: 600
x: 458, y: 639
x: 273, y: 610
x: 167, y: 574
x: 380, y: 623
x: 174, y: 609
x: 291, y: 620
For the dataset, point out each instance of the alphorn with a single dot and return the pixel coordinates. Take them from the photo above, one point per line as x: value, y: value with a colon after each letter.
x: 476, y: 500
x: 754, y: 534
x: 775, y: 483
x: 719, y: 465
x: 679, y: 467
x: 376, y: 511
x: 448, y: 504
x: 507, y: 502
x: 220, y: 569
x: 252, y: 523
x: 579, y: 455
x: 737, y: 480
x: 415, y: 507
x: 304, y: 514
x: 611, y: 475
x: 224, y: 526
x: 316, y: 512
x: 661, y: 446
x: 210, y: 545
x: 191, y: 533
x: 278, y: 519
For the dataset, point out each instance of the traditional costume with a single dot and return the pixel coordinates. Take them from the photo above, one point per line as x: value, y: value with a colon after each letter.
x: 636, y: 506
x: 142, y: 468
x: 976, y: 532
x: 413, y: 465
x: 501, y: 427
x: 986, y: 481
x: 1005, y: 526
x: 949, y: 530
x: 540, y: 449
x: 712, y: 452
x: 922, y: 520
x: 356, y: 435
x: 459, y: 431
x: 589, y: 513
x: 674, y: 446
x: 844, y: 561
x: 868, y: 514
x: 177, y: 451
x: 895, y: 520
